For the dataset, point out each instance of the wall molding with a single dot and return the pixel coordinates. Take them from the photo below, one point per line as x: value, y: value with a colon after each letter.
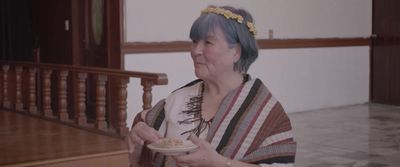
x: 184, y: 46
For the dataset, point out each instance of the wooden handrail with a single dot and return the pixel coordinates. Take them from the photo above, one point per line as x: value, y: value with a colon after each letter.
x: 44, y: 84
x: 158, y: 78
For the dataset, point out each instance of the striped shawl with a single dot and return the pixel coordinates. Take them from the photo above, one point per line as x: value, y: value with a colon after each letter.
x: 250, y: 126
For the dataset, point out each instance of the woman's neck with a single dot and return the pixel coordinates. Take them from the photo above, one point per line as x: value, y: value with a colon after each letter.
x: 220, y: 86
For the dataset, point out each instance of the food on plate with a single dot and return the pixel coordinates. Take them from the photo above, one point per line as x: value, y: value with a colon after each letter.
x: 170, y: 142
x: 172, y: 146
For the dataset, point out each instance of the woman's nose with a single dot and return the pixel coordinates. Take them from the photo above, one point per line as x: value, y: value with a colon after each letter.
x: 197, y: 48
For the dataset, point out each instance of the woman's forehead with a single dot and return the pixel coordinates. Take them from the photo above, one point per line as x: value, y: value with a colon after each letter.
x: 205, y: 26
x: 214, y: 33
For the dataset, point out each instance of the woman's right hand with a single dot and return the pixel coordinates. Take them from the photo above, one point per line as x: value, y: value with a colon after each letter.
x: 139, y: 134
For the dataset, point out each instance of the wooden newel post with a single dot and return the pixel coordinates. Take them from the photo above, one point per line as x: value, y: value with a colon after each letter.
x: 6, y: 101
x: 18, y: 88
x: 46, y: 87
x: 32, y: 90
x: 147, y: 96
x: 101, y: 102
x: 122, y: 129
x: 62, y: 95
x: 80, y: 117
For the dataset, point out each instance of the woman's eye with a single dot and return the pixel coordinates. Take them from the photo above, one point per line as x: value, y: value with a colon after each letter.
x: 194, y: 41
x: 208, y: 42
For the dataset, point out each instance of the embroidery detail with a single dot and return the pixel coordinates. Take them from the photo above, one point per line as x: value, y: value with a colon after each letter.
x: 194, y: 113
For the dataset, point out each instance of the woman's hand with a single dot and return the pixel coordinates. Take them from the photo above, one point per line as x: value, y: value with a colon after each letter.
x: 135, y: 139
x: 204, y: 155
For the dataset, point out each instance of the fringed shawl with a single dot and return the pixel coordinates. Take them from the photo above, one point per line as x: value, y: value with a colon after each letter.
x: 250, y: 126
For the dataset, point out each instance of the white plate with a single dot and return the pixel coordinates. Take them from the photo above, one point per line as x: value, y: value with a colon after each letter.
x: 186, y: 147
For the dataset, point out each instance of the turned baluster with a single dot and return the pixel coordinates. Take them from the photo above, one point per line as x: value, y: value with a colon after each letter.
x: 80, y: 116
x: 6, y: 101
x: 46, y: 87
x: 62, y: 95
x: 18, y: 88
x: 147, y: 96
x: 122, y: 95
x: 32, y: 90
x: 101, y: 102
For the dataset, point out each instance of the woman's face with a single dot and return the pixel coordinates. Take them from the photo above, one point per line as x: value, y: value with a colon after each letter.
x: 212, y: 57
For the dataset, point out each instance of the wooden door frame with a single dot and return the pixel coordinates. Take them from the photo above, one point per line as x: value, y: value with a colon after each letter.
x: 371, y: 52
x: 384, y: 62
x: 114, y: 33
x: 113, y: 17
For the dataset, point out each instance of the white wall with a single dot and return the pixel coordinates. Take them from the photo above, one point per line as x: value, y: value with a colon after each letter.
x: 306, y: 79
x: 302, y: 79
x: 155, y: 20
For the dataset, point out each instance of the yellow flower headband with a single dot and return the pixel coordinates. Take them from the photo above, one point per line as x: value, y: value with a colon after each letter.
x: 230, y: 15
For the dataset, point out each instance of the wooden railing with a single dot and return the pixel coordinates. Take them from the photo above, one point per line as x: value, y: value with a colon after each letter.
x: 60, y: 93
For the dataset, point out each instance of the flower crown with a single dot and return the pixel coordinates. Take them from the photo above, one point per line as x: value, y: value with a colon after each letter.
x: 230, y: 15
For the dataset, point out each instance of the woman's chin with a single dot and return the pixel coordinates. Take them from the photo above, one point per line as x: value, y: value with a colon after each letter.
x: 199, y: 75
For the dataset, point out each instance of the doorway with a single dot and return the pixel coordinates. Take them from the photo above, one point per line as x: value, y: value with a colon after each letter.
x: 385, y: 52
x: 80, y: 33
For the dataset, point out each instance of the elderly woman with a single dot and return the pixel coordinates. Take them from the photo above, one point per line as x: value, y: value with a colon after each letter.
x: 232, y: 118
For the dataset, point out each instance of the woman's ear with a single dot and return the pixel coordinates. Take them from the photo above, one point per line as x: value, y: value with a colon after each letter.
x: 238, y: 53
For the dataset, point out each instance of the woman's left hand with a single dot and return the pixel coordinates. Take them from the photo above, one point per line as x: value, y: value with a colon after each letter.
x: 204, y: 155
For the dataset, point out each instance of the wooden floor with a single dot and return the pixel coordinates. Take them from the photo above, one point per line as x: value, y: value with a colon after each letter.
x: 30, y: 140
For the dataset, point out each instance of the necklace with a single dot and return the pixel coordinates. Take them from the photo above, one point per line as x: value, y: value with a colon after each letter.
x: 194, y: 113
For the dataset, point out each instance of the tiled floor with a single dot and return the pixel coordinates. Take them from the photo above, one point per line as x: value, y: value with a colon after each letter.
x: 366, y: 135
